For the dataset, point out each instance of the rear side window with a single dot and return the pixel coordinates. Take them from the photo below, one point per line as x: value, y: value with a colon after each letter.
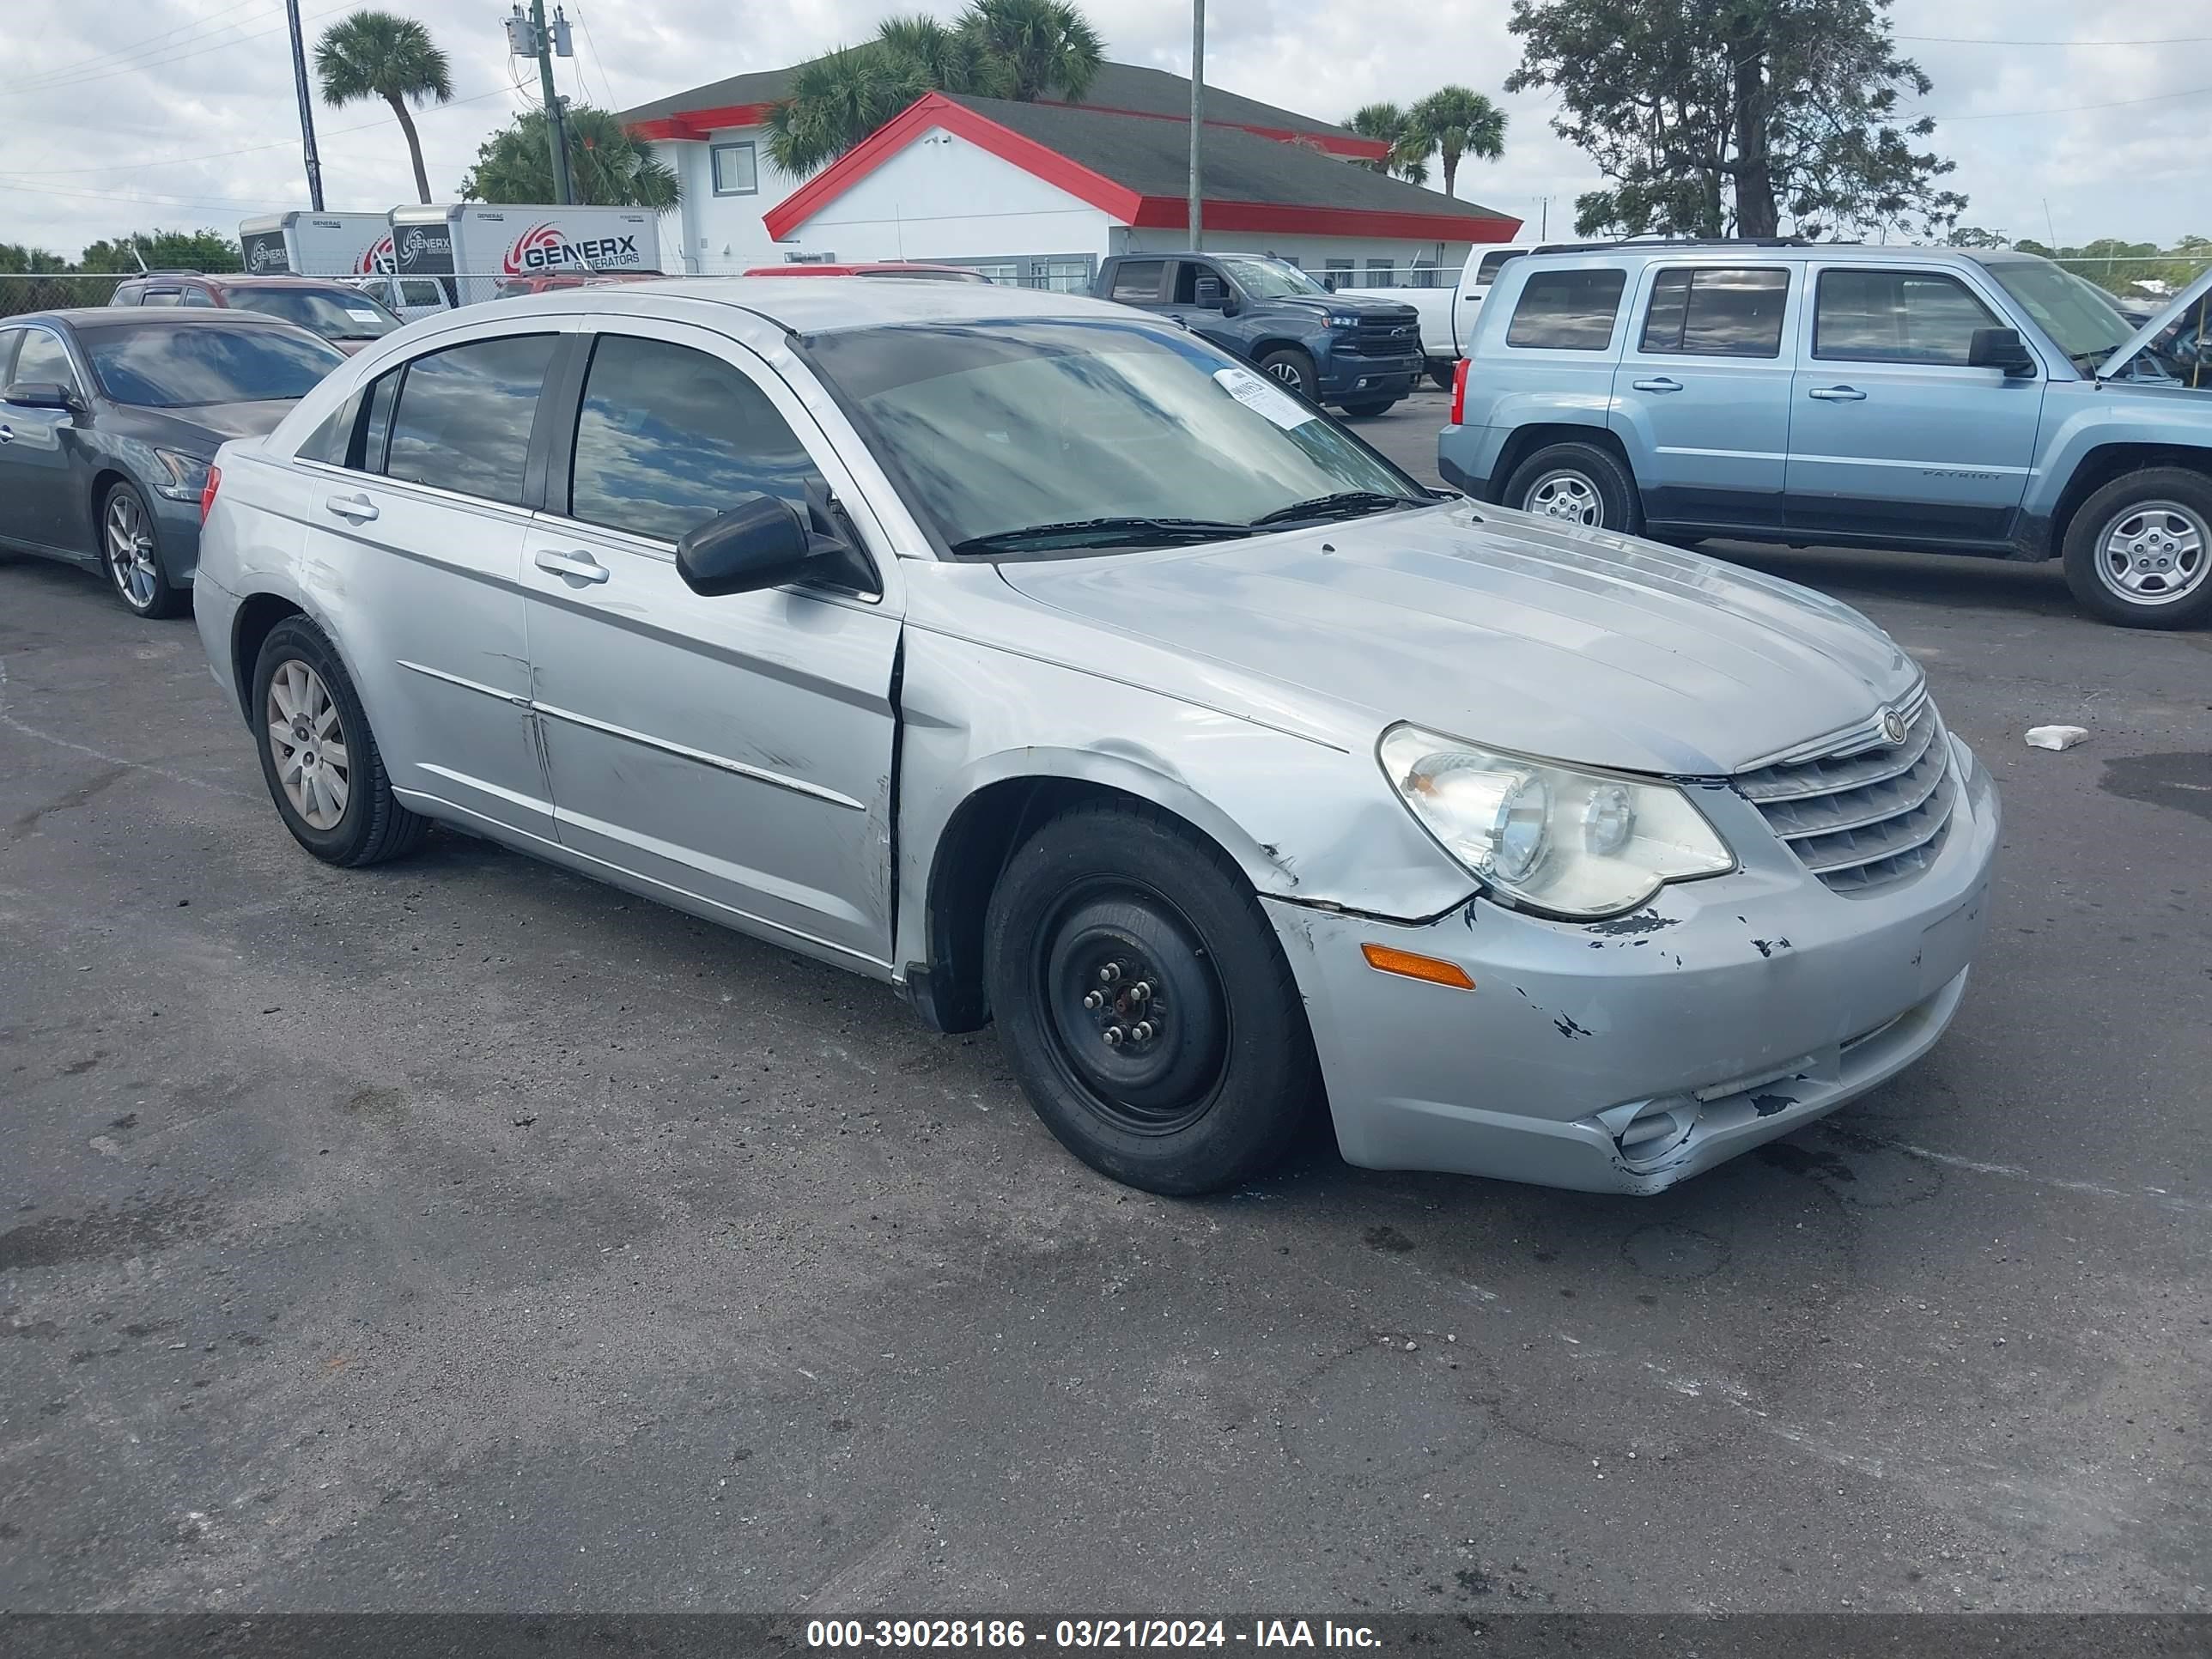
x: 158, y: 296
x: 668, y: 437
x: 1567, y: 310
x: 199, y: 296
x: 1486, y: 272
x: 464, y: 414
x: 1137, y: 282
x: 1717, y: 313
x: 1896, y: 317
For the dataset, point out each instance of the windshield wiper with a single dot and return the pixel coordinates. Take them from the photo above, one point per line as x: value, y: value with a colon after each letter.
x: 1105, y: 532
x: 1344, y: 503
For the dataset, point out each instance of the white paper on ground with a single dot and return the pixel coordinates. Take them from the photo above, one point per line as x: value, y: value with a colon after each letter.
x: 1262, y: 397
x: 2055, y: 737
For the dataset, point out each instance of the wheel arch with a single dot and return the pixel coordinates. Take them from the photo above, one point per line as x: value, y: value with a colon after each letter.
x: 2105, y: 464
x: 1528, y: 440
x: 256, y: 617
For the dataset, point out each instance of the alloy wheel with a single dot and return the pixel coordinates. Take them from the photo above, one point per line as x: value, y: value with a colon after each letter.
x: 306, y: 740
x: 131, y: 550
x: 1285, y: 370
x: 2154, y: 553
x: 1571, y: 496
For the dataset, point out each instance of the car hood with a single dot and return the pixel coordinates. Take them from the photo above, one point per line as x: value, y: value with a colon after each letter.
x: 2157, y: 325
x: 202, y: 429
x: 1364, y: 305
x: 1507, y: 631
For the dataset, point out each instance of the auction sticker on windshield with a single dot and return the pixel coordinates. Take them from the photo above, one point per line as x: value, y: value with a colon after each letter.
x: 1263, y: 396
x: 362, y: 316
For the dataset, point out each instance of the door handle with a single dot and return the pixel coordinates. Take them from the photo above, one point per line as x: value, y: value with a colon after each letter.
x: 1661, y: 383
x: 578, y: 566
x: 359, y: 508
x: 1837, y: 394
x: 7, y: 435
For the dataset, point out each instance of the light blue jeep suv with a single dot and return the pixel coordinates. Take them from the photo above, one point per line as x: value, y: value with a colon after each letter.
x: 1837, y: 394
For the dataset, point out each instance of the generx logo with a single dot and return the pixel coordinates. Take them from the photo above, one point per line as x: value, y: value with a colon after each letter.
x: 543, y: 248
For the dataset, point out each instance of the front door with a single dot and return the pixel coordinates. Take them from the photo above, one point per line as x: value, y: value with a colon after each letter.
x: 36, y: 446
x: 418, y: 507
x: 1701, y: 397
x: 735, y: 749
x: 1199, y: 299
x: 1891, y: 434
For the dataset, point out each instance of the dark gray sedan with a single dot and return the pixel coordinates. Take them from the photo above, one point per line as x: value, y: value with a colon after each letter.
x: 108, y: 421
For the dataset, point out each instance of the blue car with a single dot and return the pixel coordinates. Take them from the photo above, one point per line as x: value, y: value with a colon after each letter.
x: 1932, y: 398
x: 109, y: 419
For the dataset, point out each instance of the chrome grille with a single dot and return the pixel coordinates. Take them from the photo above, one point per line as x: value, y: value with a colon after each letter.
x: 1868, y: 813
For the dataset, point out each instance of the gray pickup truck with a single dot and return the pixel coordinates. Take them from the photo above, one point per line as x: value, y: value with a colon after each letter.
x: 1827, y: 394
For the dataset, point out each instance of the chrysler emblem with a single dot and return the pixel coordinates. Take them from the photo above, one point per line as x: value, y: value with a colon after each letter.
x: 1892, y: 726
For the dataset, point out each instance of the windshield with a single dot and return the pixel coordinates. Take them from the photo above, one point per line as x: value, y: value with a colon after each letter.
x: 336, y: 314
x: 1271, y: 279
x: 1003, y: 427
x: 176, y: 367
x: 2080, y: 317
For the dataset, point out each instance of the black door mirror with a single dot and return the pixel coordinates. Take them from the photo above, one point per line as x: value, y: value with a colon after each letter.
x: 2000, y: 347
x: 760, y: 542
x: 40, y: 394
x: 1207, y: 295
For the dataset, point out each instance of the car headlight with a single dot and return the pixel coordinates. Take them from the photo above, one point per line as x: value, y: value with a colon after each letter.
x: 1338, y: 320
x: 1547, y: 837
x: 187, y: 476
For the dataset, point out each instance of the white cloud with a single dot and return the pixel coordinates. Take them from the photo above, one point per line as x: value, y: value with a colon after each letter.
x: 107, y: 106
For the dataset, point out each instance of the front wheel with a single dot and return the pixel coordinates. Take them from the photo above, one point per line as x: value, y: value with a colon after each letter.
x: 1375, y: 406
x: 1577, y: 484
x: 2139, y: 551
x: 1144, y: 1003
x: 1292, y: 368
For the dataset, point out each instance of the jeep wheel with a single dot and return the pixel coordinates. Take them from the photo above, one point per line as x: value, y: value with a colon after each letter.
x: 1577, y: 484
x: 2139, y: 551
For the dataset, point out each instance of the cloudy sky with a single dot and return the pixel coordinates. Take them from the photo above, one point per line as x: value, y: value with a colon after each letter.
x: 124, y: 114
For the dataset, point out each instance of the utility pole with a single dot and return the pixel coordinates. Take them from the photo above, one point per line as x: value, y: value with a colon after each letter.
x: 529, y: 37
x: 307, y: 108
x: 1197, y: 117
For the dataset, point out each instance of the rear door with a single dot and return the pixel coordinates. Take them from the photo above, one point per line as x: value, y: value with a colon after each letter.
x: 1703, y: 391
x: 39, y: 499
x: 1891, y: 434
x: 738, y: 749
x: 422, y: 523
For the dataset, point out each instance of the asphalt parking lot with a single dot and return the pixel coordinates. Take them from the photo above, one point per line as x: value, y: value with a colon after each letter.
x: 461, y: 1234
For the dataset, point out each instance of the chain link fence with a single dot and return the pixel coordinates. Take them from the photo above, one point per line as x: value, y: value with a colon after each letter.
x: 56, y: 290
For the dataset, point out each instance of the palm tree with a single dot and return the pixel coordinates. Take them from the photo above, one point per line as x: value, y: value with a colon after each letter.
x: 1042, y: 45
x: 609, y: 168
x: 1389, y: 122
x: 836, y: 101
x: 1456, y: 122
x: 951, y: 59
x: 379, y: 54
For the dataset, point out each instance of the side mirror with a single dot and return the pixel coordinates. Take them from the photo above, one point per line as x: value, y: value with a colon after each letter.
x: 40, y: 394
x: 2000, y: 347
x: 759, y: 543
x: 1230, y: 305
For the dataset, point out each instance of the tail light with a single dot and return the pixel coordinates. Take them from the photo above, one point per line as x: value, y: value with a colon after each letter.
x: 1458, y: 408
x: 215, y: 478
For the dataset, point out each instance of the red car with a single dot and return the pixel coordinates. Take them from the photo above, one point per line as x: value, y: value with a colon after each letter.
x: 344, y: 316
x: 933, y: 273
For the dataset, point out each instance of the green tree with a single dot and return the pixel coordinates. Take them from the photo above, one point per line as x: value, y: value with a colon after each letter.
x: 163, y: 250
x: 608, y: 168
x: 380, y: 54
x: 17, y: 260
x: 1408, y: 159
x: 1020, y: 49
x: 1975, y: 237
x: 1454, y: 121
x: 1712, y: 116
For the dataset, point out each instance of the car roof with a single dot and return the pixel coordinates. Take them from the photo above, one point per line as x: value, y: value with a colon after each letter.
x: 827, y: 304
x: 1765, y: 252
x: 149, y: 316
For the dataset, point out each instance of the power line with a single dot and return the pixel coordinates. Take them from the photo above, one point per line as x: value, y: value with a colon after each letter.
x: 605, y: 80
x: 158, y: 63
x: 2072, y: 109
x: 152, y: 43
x: 1986, y: 40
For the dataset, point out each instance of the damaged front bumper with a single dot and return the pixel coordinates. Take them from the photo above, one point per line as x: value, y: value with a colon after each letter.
x: 1623, y: 1056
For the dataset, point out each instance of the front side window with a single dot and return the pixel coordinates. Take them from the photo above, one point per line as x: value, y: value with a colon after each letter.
x: 2080, y: 317
x: 668, y: 437
x: 1717, y: 313
x: 44, y: 360
x: 183, y: 365
x: 736, y: 171
x: 464, y: 414
x: 1567, y: 310
x: 1002, y: 430
x: 1896, y: 317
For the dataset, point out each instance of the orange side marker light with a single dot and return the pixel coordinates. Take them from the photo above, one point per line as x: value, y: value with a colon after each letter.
x: 1384, y: 959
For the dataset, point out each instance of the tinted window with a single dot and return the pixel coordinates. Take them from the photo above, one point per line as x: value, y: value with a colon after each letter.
x: 1896, y: 317
x: 331, y: 440
x: 376, y: 430
x: 336, y: 314
x: 668, y: 437
x: 44, y: 360
x: 1717, y: 313
x: 1486, y: 272
x: 1567, y: 310
x: 464, y: 415
x: 158, y: 296
x: 420, y: 291
x: 182, y: 365
x: 8, y: 339
x: 199, y: 296
x: 1137, y: 280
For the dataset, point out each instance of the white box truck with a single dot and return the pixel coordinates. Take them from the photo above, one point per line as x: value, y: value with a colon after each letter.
x: 316, y: 243
x: 472, y: 248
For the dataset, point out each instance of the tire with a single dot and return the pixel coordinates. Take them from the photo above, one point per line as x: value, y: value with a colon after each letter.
x: 1290, y: 367
x: 1216, y: 1076
x: 1441, y: 375
x: 1379, y: 406
x: 1578, y: 483
x: 2139, y: 551
x: 130, y: 554
x: 361, y: 821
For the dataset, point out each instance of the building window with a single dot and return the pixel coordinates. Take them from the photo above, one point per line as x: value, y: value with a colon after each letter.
x: 1381, y: 267
x: 735, y: 173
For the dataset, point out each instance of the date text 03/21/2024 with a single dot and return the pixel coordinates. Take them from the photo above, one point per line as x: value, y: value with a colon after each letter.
x: 1084, y: 1633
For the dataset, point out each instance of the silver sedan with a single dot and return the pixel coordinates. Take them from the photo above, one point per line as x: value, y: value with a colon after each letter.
x: 1039, y: 659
